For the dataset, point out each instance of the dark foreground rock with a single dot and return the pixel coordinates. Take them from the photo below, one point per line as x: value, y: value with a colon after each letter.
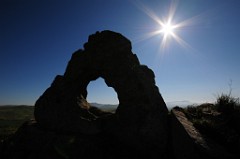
x: 188, y: 142
x: 33, y: 142
x: 68, y: 127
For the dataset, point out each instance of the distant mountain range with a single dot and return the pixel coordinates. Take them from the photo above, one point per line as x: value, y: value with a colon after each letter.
x: 103, y: 105
x: 183, y: 103
x: 107, y: 107
x: 12, y: 105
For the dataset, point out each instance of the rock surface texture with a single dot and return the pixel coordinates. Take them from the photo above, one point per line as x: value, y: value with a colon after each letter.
x: 140, y: 121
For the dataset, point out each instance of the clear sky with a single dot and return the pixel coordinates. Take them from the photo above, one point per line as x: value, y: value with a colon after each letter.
x: 37, y: 38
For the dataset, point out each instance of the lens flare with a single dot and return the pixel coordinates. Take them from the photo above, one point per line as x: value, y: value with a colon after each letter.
x: 167, y: 28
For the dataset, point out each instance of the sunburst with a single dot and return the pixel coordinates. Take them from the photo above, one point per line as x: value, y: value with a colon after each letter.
x: 166, y: 27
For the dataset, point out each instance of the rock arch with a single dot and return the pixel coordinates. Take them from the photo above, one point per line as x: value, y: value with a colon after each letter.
x: 141, y: 115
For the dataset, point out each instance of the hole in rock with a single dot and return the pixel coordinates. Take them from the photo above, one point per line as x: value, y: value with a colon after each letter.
x: 102, y: 96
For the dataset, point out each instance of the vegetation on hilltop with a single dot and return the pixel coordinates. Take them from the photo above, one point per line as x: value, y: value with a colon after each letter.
x: 219, y: 121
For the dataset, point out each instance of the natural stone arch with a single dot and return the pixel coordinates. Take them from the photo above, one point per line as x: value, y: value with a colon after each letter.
x: 141, y: 117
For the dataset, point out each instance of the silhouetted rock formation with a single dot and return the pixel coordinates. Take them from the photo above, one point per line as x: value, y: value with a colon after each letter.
x: 67, y: 126
x: 137, y: 129
x: 141, y: 116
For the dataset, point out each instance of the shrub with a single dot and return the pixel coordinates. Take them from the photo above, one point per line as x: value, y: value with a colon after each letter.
x: 226, y: 103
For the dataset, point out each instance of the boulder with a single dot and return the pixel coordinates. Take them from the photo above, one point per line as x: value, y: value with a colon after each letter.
x: 140, y: 121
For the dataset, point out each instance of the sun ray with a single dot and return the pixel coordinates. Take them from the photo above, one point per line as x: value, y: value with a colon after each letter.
x: 148, y: 12
x: 163, y: 43
x: 172, y: 9
x: 168, y: 29
x: 181, y: 41
x: 147, y: 35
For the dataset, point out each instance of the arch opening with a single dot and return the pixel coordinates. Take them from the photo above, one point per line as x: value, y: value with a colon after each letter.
x: 101, y: 96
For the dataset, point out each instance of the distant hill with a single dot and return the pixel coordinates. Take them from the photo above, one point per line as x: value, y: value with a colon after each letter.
x: 170, y: 105
x: 105, y: 107
x: 12, y: 116
x: 12, y: 105
x: 183, y: 103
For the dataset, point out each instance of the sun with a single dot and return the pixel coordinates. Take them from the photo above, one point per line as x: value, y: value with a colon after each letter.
x: 167, y: 29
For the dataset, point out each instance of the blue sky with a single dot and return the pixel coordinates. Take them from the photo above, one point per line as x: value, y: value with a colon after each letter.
x: 38, y: 37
